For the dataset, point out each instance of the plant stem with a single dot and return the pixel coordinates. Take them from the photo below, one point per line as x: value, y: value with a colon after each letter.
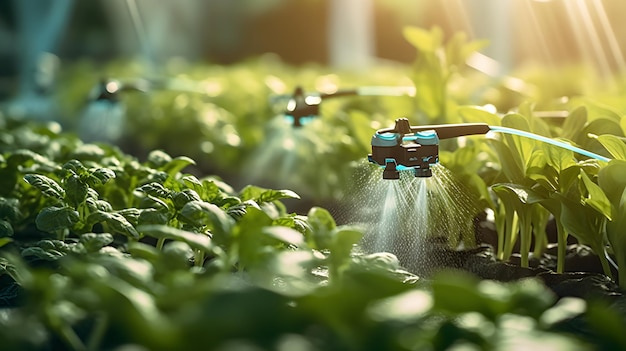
x: 603, y: 261
x: 511, y: 233
x: 68, y: 334
x: 160, y: 243
x: 525, y: 238
x: 198, y: 259
x: 621, y: 271
x: 97, y: 333
x: 500, y: 230
x: 561, y: 245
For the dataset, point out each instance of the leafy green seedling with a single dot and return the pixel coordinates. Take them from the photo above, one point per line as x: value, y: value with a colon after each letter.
x: 611, y: 181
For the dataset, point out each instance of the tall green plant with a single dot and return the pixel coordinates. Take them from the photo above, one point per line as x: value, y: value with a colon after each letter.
x: 437, y: 62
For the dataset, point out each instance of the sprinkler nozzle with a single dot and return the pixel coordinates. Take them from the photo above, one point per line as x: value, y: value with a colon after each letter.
x: 415, y: 147
x: 391, y: 172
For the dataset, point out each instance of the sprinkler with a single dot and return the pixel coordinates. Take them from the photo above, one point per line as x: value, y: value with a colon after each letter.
x: 406, y: 147
x: 104, y: 114
x: 304, y: 107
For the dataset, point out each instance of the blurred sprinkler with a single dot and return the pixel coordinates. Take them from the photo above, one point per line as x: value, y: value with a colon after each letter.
x: 413, y: 218
x: 300, y: 107
x: 104, y: 116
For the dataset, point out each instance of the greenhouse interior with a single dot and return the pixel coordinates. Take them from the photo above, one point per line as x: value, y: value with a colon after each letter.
x: 312, y: 175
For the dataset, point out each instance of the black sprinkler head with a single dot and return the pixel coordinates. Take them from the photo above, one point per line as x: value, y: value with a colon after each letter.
x: 106, y: 90
x: 406, y: 147
x: 301, y: 108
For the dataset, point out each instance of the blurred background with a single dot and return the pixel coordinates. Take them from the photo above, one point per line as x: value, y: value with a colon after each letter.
x: 353, y: 33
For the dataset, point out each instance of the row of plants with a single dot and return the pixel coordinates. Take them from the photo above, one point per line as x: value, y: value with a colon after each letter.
x: 524, y: 182
x: 100, y: 250
x: 104, y: 248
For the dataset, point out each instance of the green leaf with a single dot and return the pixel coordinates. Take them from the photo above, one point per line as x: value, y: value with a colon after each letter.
x: 617, y: 238
x: 88, y: 152
x: 583, y: 222
x: 612, y: 181
x: 521, y: 147
x: 449, y: 286
x: 94, y: 242
x: 343, y: 241
x: 320, y: 219
x: 607, y: 323
x: 273, y: 195
x: 601, y: 126
x: 596, y: 198
x: 23, y: 157
x: 250, y: 237
x: 597, y: 110
x: 6, y: 229
x: 183, y: 197
x: 74, y: 167
x: 158, y: 158
x: 154, y: 189
x: 103, y: 175
x: 558, y: 157
x: 152, y: 216
x: 193, y: 182
x: 574, y: 123
x: 285, y: 235
x: 5, y: 241
x: 198, y: 241
x: 568, y: 177
x: 10, y: 209
x: 296, y: 222
x: 511, y: 166
x: 258, y: 194
x: 131, y: 214
x: 478, y: 114
x: 518, y: 191
x: 46, y: 185
x: 120, y: 224
x: 116, y: 222
x: 177, y: 164
x: 614, y: 145
x: 423, y: 40
x: 239, y: 210
x: 321, y: 225
x: 144, y: 251
x: 51, y: 219
x: 76, y: 190
x: 204, y: 213
x: 47, y: 255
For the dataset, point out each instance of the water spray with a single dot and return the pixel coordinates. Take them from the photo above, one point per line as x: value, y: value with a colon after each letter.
x: 416, y: 148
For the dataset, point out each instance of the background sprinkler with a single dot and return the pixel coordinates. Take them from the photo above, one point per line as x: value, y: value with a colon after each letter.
x: 303, y: 107
x: 104, y: 115
x: 406, y: 147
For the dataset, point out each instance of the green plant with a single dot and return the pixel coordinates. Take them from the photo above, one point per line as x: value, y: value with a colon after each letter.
x: 437, y: 64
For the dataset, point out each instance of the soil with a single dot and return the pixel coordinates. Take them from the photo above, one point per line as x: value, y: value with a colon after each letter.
x: 583, y: 276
